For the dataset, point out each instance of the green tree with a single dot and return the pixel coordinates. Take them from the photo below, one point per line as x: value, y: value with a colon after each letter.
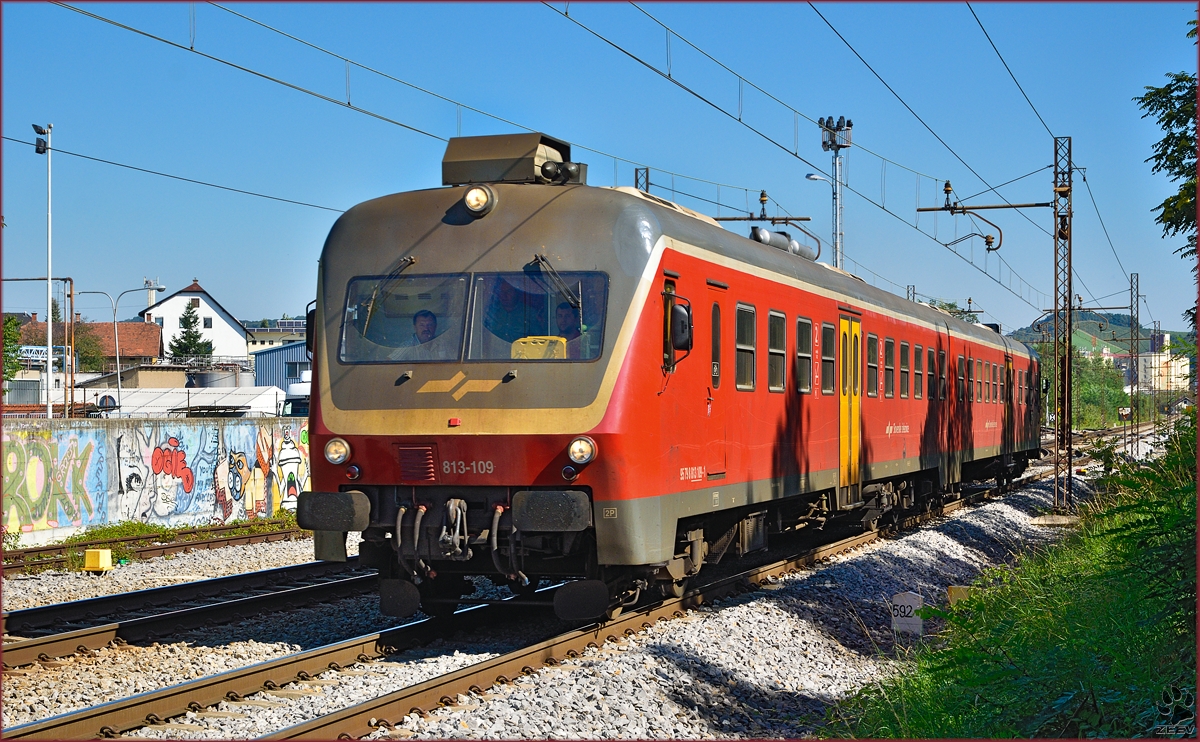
x: 87, y: 348
x: 55, y: 312
x: 952, y: 308
x: 12, y: 345
x: 189, y: 341
x: 1174, y: 108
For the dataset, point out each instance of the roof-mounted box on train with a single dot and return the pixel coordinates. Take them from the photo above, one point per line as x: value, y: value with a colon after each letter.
x: 510, y: 158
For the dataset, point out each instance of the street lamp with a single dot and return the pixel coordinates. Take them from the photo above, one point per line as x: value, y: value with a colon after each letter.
x: 116, y: 338
x: 42, y: 147
x: 836, y: 258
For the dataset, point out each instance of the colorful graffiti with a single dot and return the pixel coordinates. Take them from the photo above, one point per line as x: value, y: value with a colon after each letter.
x: 185, y: 473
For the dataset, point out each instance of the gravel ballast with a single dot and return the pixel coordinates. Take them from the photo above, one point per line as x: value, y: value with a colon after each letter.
x: 51, y: 586
x: 762, y: 664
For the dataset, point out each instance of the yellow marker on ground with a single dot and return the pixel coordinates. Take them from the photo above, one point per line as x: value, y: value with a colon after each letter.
x: 97, y: 561
x: 956, y: 593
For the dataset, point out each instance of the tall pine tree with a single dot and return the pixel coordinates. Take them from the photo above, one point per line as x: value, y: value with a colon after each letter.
x: 189, y: 341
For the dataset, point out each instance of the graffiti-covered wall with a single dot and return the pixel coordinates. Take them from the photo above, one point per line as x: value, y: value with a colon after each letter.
x: 62, y: 478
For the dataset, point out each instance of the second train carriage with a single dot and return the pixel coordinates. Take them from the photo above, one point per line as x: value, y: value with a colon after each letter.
x: 521, y: 376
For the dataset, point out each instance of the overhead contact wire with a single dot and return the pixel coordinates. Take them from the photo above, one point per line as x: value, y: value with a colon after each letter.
x: 866, y: 198
x: 56, y: 150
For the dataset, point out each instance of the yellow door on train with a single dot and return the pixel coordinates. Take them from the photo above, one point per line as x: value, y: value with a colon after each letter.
x: 850, y: 408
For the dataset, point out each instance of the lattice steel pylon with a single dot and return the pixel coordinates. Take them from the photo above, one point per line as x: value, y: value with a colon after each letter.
x: 641, y: 179
x: 1063, y: 490
x: 1135, y: 336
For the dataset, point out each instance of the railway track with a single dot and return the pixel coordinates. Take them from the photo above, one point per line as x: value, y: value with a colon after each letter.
x: 48, y: 632
x: 151, y: 709
x: 113, y: 718
x: 213, y: 537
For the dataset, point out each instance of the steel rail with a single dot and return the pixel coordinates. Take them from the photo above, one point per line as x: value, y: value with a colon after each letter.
x: 110, y: 719
x: 29, y: 620
x: 354, y: 721
x: 155, y: 627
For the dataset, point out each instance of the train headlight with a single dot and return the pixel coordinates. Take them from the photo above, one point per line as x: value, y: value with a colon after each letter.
x: 582, y: 450
x: 337, y: 451
x: 479, y: 200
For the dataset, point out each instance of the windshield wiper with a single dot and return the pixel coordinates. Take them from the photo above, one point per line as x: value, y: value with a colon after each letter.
x: 404, y: 263
x: 558, y: 281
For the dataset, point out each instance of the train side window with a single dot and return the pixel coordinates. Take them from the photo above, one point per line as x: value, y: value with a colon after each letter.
x: 932, y: 371
x: 889, y: 368
x: 716, y: 345
x: 828, y: 359
x: 776, y: 351
x: 997, y: 383
x: 872, y: 366
x: 941, y: 374
x: 1000, y: 374
x: 904, y: 370
x: 979, y: 379
x: 970, y: 395
x: 963, y: 366
x: 989, y: 381
x: 1019, y: 396
x: 803, y: 355
x: 918, y: 371
x: 745, y: 341
x: 845, y: 365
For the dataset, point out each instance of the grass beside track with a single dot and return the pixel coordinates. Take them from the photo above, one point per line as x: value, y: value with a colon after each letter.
x: 151, y: 533
x: 1094, y: 636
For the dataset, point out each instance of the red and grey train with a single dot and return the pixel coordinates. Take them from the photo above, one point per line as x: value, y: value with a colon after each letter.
x: 521, y: 376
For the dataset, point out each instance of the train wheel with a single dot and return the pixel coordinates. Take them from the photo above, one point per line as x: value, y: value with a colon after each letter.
x: 445, y: 591
x: 674, y: 589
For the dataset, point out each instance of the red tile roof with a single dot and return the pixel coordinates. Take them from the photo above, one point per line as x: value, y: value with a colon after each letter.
x: 138, y: 339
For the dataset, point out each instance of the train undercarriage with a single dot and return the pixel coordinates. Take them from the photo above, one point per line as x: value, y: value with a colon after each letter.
x: 426, y: 541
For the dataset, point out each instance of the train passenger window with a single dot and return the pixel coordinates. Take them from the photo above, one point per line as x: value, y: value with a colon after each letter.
x: 989, y: 378
x: 997, y: 392
x: 716, y: 345
x: 803, y: 355
x: 828, y: 359
x: 979, y: 379
x: 889, y: 367
x: 941, y: 374
x: 918, y: 371
x: 963, y: 386
x: 1020, y: 393
x: 745, y: 341
x: 904, y: 370
x: 932, y: 368
x: 872, y: 366
x: 970, y: 395
x: 776, y: 351
x: 537, y: 316
x: 1001, y: 373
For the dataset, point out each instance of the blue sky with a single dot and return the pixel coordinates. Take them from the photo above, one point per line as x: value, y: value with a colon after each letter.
x: 119, y: 96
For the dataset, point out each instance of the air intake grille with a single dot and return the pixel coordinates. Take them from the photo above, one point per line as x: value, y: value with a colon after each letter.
x: 417, y: 463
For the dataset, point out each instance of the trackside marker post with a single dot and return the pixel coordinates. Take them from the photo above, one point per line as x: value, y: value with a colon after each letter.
x: 904, y: 613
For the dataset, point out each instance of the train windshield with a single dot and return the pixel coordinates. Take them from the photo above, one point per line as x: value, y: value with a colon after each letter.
x: 529, y: 316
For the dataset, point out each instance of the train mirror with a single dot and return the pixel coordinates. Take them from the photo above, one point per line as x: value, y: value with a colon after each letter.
x: 681, y: 327
x: 310, y: 321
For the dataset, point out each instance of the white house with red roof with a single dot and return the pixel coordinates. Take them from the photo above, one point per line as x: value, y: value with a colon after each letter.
x: 217, y: 325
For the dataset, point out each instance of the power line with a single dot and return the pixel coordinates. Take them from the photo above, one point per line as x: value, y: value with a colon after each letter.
x: 264, y: 76
x: 1007, y: 182
x: 1010, y: 72
x: 1097, y: 208
x: 796, y: 155
x: 1037, y: 113
x: 460, y: 104
x: 801, y: 114
x: 921, y: 120
x: 180, y: 177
